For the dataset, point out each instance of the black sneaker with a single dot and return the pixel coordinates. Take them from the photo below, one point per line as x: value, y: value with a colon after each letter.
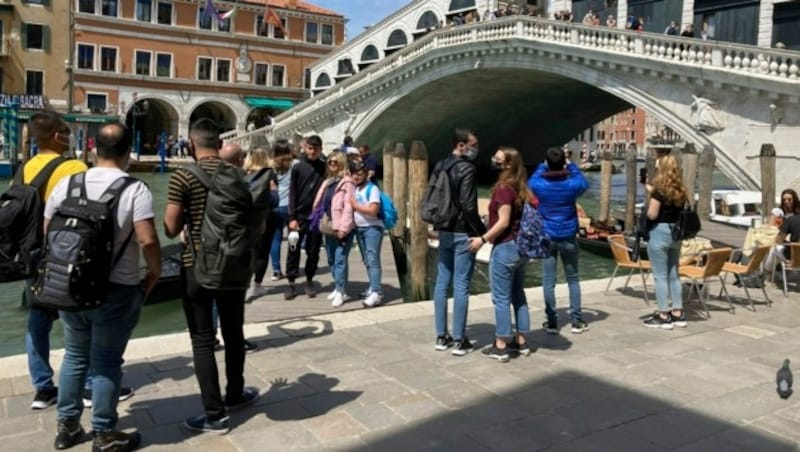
x: 520, y: 349
x: 116, y: 441
x: 579, y: 327
x: 655, y: 321
x: 311, y: 292
x: 290, y: 293
x: 44, y: 398
x: 443, y: 342
x: 500, y: 354
x: 249, y: 395
x: 69, y: 433
x: 462, y: 347
x: 678, y: 320
x: 277, y: 276
x: 202, y: 424
x: 124, y: 394
x: 250, y: 346
x: 550, y: 327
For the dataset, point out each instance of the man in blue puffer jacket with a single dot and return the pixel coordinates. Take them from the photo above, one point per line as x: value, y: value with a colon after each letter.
x: 558, y: 183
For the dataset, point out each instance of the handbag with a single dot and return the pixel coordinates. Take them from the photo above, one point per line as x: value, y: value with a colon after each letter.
x: 688, y: 224
x: 316, y: 217
x: 643, y: 227
x: 326, y: 225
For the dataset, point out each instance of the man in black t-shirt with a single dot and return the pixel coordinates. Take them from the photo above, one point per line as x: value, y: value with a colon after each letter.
x: 790, y: 229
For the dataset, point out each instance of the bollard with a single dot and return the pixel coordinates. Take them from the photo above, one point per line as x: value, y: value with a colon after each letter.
x: 400, y: 191
x: 606, y: 169
x: 388, y: 165
x: 418, y: 229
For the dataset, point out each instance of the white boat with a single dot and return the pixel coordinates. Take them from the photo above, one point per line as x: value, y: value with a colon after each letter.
x: 737, y: 207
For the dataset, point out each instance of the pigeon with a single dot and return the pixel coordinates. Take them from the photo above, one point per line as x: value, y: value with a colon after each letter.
x: 784, y: 380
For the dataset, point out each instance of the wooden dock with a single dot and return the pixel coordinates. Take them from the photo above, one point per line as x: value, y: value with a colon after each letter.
x: 722, y: 235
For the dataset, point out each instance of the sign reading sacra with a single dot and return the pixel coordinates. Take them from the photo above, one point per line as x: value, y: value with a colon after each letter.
x: 23, y: 101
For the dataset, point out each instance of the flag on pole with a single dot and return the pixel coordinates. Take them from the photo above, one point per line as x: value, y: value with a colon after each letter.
x: 271, y: 17
x: 211, y: 11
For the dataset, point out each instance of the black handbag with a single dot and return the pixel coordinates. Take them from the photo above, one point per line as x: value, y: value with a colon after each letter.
x: 643, y: 227
x: 688, y: 224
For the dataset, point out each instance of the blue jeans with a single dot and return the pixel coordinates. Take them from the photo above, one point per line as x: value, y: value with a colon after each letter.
x: 338, y: 251
x: 97, y: 336
x: 456, y: 264
x: 369, y: 242
x: 281, y: 217
x: 507, y: 284
x: 568, y: 250
x: 664, y: 254
x: 37, y: 345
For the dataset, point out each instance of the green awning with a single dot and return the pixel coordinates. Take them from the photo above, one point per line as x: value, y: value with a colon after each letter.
x: 267, y: 102
x: 87, y: 118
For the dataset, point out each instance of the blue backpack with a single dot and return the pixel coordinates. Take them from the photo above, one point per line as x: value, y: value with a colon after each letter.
x: 388, y: 212
x: 532, y: 242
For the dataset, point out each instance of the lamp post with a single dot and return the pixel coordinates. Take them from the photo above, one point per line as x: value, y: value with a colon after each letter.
x: 138, y: 109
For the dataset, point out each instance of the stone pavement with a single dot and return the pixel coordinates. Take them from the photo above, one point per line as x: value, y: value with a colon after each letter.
x: 370, y: 380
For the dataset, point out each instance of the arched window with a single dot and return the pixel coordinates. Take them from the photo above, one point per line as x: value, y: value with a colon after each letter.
x: 458, y: 5
x: 323, y: 81
x: 370, y: 53
x: 397, y: 39
x: 427, y: 20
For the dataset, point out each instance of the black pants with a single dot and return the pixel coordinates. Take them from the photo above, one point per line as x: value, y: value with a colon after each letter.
x: 197, y: 305
x: 263, y: 249
x: 313, y: 242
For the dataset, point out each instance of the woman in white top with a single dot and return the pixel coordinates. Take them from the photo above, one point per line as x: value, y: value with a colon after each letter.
x: 369, y: 230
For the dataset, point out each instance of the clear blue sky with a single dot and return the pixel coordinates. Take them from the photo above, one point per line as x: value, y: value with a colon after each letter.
x: 361, y: 13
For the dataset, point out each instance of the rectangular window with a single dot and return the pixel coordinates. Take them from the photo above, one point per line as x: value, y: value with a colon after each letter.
x: 224, y: 25
x: 164, y: 13
x: 223, y: 70
x: 278, y: 32
x: 144, y: 10
x: 204, y: 68
x: 109, y: 8
x: 262, y: 29
x: 163, y: 65
x: 97, y: 103
x: 312, y: 34
x: 85, y: 56
x: 35, y: 36
x: 327, y: 34
x: 262, y: 70
x: 278, y: 72
x: 143, y: 62
x: 108, y: 59
x: 86, y: 6
x: 203, y: 21
x: 34, y: 82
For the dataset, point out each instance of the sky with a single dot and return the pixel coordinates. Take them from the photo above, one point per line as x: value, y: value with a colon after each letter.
x: 361, y: 13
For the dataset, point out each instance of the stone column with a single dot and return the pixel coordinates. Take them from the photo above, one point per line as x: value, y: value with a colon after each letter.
x: 688, y: 16
x: 765, y: 12
x: 622, y: 13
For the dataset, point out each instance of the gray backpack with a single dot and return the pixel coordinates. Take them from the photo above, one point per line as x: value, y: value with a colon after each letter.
x: 439, y: 206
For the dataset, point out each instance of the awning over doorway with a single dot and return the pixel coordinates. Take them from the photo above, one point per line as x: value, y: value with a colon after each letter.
x: 267, y: 102
x: 88, y: 118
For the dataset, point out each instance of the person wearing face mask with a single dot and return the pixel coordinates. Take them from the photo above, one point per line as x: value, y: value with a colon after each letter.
x: 53, y: 136
x: 458, y: 242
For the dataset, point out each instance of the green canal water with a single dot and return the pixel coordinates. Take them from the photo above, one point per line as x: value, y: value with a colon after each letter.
x: 168, y: 317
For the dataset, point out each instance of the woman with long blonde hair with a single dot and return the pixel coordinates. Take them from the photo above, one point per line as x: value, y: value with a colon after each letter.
x: 506, y: 267
x: 259, y: 172
x: 668, y: 195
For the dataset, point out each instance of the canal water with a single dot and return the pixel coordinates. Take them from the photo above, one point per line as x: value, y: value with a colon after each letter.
x: 168, y: 317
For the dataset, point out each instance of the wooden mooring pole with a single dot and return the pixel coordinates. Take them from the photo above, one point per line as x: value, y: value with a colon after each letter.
x: 630, y: 185
x: 767, y: 160
x: 418, y: 229
x: 689, y: 165
x: 388, y: 165
x: 400, y: 191
x: 606, y: 168
x: 707, y: 160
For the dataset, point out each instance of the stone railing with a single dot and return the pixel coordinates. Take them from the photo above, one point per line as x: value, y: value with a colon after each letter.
x: 778, y: 65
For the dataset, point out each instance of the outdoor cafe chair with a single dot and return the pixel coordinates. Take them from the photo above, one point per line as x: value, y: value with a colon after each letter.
x: 791, y: 265
x: 702, y: 275
x: 750, y: 271
x: 622, y: 257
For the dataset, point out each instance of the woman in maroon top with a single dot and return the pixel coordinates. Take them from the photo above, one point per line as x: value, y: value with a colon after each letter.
x: 506, y: 266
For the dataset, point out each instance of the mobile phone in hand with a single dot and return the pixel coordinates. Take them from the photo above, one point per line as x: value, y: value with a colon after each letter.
x: 643, y: 175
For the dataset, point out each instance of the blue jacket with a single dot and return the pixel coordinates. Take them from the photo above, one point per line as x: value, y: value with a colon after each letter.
x: 557, y: 196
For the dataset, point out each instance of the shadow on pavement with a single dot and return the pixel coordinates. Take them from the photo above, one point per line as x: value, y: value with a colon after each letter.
x: 318, y: 397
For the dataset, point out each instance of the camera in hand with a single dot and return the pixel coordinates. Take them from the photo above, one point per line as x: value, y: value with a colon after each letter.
x: 643, y: 175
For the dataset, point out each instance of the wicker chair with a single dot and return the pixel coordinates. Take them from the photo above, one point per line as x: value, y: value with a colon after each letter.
x: 750, y: 271
x: 715, y: 260
x: 792, y: 265
x: 622, y: 256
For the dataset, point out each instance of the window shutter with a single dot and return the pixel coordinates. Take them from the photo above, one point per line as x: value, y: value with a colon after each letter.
x: 23, y: 35
x: 46, y: 38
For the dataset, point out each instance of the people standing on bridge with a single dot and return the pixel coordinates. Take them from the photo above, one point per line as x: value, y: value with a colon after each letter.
x: 667, y: 196
x: 611, y: 22
x: 282, y: 160
x: 458, y: 242
x: 305, y: 179
x: 672, y: 29
x: 788, y: 212
x: 688, y: 31
x: 506, y: 267
x: 335, y: 194
x: 557, y: 183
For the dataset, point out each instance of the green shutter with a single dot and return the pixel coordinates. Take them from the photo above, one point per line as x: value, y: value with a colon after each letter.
x: 23, y: 35
x: 46, y: 38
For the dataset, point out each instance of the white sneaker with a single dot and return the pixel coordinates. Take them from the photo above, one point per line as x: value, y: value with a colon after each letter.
x: 373, y: 299
x: 332, y: 295
x: 364, y: 293
x: 255, y: 291
x: 338, y: 300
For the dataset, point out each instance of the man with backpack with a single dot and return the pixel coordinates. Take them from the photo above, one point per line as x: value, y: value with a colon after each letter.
x: 452, y: 198
x: 98, y: 334
x: 305, y: 178
x: 558, y: 183
x: 194, y: 205
x: 50, y: 167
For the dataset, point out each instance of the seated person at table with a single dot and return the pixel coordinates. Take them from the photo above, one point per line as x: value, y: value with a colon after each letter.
x: 789, y: 228
x: 790, y: 205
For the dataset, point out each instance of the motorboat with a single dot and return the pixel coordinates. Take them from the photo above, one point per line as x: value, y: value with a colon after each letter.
x: 737, y: 207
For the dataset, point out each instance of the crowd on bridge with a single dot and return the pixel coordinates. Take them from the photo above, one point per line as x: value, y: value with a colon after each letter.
x: 230, y: 209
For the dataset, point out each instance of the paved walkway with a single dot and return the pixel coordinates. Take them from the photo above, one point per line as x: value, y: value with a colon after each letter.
x: 370, y: 380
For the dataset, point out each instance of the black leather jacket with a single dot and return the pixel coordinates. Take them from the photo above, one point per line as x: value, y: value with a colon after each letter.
x: 462, y: 175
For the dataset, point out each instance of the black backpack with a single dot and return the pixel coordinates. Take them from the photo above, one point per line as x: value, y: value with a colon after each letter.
x: 439, y: 206
x: 21, y: 220
x: 688, y: 224
x: 79, y: 248
x: 225, y: 257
